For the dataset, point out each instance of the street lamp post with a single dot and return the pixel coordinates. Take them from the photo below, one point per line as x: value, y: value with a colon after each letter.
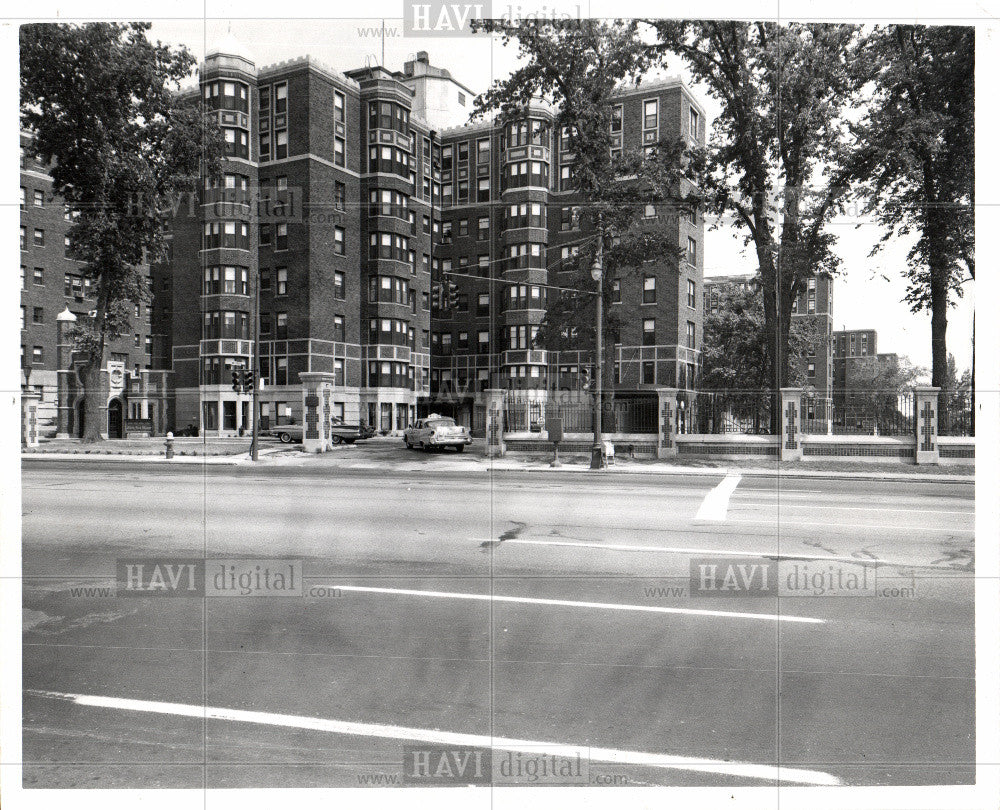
x: 597, y: 273
x: 254, y: 371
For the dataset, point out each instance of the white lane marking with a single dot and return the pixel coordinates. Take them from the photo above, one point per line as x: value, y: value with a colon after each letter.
x: 838, y: 524
x: 717, y: 501
x: 849, y: 507
x: 433, y: 736
x: 529, y: 600
x: 681, y: 550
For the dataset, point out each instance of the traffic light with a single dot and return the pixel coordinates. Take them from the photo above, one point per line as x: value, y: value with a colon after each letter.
x: 452, y: 295
x: 247, y: 380
x: 585, y: 377
x: 236, y: 380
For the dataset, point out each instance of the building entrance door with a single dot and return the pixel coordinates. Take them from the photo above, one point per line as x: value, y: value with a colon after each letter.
x: 115, y: 419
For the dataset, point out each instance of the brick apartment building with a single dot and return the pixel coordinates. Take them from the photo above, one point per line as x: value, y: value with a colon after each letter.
x: 346, y: 202
x: 512, y: 227
x: 54, y: 298
x: 854, y: 353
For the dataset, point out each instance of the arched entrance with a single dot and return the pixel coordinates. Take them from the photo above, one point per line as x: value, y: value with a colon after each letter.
x: 115, y: 419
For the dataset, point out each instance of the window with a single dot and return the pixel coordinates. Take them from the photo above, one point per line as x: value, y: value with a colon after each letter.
x: 265, y: 234
x: 565, y: 178
x: 616, y: 291
x: 36, y: 354
x: 463, y: 227
x: 692, y: 251
x: 617, y: 113
x: 649, y: 211
x: 39, y: 198
x: 38, y: 277
x: 265, y: 147
x: 338, y: 151
x: 281, y: 287
x: 338, y: 106
x: 463, y: 189
x: 280, y: 98
x: 463, y: 152
x: 338, y: 286
x: 649, y: 332
x: 339, y: 195
x: 650, y: 114
x: 810, y: 370
x: 24, y: 238
x: 483, y: 151
x: 692, y: 295
x: 67, y: 247
x: 693, y: 122
x: 690, y: 334
x: 24, y: 198
x: 39, y: 237
x: 281, y: 236
x: 483, y: 189
x: 648, y: 372
x: 38, y: 315
x: 281, y: 324
x: 280, y: 144
x: 338, y: 328
x: 338, y: 240
x: 649, y: 290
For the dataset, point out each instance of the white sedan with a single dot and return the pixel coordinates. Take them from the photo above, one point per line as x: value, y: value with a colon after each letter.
x: 436, y: 432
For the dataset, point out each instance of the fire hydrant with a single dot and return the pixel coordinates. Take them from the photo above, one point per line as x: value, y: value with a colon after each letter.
x: 170, y: 444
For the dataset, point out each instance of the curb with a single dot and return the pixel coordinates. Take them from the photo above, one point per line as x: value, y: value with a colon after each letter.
x: 244, y: 461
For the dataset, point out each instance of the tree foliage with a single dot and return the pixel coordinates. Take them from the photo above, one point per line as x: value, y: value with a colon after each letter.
x: 775, y: 162
x: 915, y: 161
x: 99, y: 101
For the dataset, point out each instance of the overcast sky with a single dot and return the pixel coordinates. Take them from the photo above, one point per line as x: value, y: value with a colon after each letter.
x: 867, y: 294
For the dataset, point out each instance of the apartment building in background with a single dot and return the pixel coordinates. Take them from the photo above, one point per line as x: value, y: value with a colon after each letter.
x: 410, y: 257
x: 856, y: 361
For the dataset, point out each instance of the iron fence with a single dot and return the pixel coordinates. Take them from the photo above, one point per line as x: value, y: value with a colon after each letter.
x: 622, y: 414
x: 717, y: 412
x: 886, y: 413
x: 956, y: 413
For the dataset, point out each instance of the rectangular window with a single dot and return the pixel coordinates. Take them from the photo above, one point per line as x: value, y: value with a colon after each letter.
x: 338, y: 150
x: 692, y: 251
x: 692, y: 294
x: 38, y: 315
x: 650, y: 114
x: 338, y: 286
x: 38, y: 277
x: 338, y: 106
x: 483, y: 189
x: 280, y: 98
x: 338, y: 240
x: 281, y: 144
x: 24, y: 238
x: 616, y: 291
x: 693, y: 123
x: 648, y: 372
x: 690, y: 334
x: 281, y: 326
x: 338, y: 328
x: 36, y: 354
x: 282, y: 281
x: 649, y: 290
x: 649, y: 332
x: 617, y: 114
x: 281, y: 236
x: 39, y: 237
x: 39, y: 198
x: 339, y: 196
x: 483, y: 151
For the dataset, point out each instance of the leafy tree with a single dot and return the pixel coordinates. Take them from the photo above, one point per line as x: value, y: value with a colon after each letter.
x: 776, y: 157
x: 735, y: 351
x: 577, y: 67
x: 876, y: 383
x: 916, y: 162
x: 100, y: 104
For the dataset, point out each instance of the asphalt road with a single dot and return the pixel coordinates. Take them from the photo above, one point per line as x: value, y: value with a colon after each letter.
x: 551, y: 613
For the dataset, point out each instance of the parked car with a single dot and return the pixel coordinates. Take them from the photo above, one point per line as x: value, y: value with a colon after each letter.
x: 286, y: 434
x: 341, y: 431
x: 436, y: 432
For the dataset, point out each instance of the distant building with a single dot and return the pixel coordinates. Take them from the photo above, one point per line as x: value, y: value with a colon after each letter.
x: 854, y: 351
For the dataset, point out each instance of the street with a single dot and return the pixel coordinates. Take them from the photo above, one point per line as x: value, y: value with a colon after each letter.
x: 542, y: 612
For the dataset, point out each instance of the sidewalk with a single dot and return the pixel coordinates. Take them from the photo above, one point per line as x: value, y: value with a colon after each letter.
x: 387, y: 454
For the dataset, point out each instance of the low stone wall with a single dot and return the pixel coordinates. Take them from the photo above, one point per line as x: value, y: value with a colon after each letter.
x: 727, y: 445
x: 626, y: 444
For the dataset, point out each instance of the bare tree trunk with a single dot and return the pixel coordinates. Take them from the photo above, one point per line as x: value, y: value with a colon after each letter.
x: 939, y: 346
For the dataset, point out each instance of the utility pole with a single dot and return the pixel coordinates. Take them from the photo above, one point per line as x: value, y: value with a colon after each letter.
x: 597, y: 273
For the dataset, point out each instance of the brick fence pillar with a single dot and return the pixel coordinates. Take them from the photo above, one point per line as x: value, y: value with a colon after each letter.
x: 925, y: 409
x: 666, y: 421
x: 494, y: 422
x: 791, y: 424
x: 29, y: 418
x: 315, y: 418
